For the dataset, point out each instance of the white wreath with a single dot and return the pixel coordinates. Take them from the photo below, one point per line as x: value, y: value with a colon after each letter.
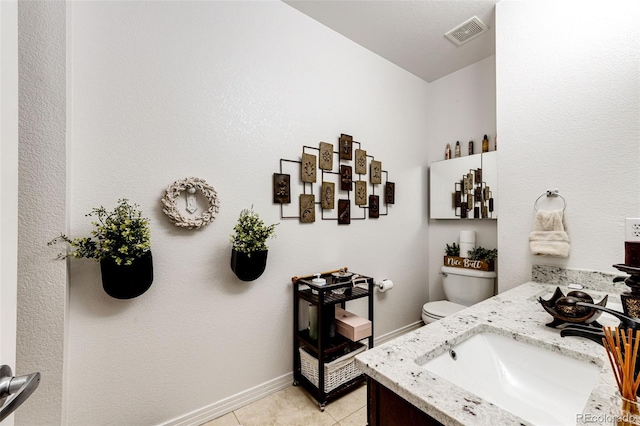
x: 173, y: 192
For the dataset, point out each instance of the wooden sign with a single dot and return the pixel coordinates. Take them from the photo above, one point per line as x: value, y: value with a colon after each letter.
x: 463, y: 262
x: 361, y: 162
x: 374, y: 206
x: 327, y: 200
x: 390, y: 193
x: 346, y: 142
x: 325, y: 162
x: 281, y: 188
x: 376, y: 172
x: 307, y: 208
x: 361, y: 192
x: 345, y: 178
x: 308, y: 168
x: 344, y: 213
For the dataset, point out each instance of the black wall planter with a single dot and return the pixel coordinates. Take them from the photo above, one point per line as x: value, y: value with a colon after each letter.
x: 127, y: 281
x: 248, y: 268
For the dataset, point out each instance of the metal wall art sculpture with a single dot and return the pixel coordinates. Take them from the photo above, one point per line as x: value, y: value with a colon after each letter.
x: 348, y: 174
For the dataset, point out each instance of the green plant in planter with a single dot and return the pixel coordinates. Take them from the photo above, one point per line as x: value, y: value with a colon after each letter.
x: 481, y: 253
x: 452, y: 250
x: 121, y: 235
x: 250, y: 233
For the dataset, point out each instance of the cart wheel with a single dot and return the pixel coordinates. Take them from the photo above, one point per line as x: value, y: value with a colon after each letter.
x: 295, y: 383
x: 322, y: 406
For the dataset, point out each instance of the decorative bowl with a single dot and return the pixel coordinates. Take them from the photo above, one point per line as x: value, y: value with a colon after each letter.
x: 564, y: 309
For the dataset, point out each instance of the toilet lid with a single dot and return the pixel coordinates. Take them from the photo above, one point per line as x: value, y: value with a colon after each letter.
x: 441, y: 308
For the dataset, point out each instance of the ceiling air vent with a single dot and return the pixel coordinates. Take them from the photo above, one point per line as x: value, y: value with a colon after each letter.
x: 466, y: 31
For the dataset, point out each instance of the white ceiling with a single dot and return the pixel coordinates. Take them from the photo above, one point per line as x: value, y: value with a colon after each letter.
x: 409, y: 33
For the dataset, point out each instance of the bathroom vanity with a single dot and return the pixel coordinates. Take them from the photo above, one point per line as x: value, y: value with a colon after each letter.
x: 403, y: 388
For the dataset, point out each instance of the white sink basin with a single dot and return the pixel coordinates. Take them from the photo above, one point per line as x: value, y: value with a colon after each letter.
x: 540, y: 386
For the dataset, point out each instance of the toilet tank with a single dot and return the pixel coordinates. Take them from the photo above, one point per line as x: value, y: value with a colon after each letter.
x: 467, y: 286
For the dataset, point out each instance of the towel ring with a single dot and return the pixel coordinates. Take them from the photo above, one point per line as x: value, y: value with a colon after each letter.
x: 551, y: 193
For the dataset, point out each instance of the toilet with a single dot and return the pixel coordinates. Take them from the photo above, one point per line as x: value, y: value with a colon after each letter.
x: 462, y: 287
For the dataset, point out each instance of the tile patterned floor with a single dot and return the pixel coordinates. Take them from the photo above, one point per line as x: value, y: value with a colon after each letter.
x: 292, y: 406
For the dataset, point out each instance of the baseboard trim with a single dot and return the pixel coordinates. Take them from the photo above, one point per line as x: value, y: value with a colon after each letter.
x: 397, y: 333
x: 227, y: 405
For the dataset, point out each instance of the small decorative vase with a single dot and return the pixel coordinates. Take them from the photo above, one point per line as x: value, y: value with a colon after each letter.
x: 630, y: 299
x: 248, y: 268
x: 127, y: 281
x: 625, y: 412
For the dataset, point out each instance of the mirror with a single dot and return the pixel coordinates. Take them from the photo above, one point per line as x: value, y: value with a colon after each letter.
x: 490, y: 178
x: 470, y: 181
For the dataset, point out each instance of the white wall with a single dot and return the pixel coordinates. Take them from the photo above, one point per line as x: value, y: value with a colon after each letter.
x: 42, y: 287
x: 568, y: 118
x: 223, y: 91
x: 462, y: 106
x: 8, y: 187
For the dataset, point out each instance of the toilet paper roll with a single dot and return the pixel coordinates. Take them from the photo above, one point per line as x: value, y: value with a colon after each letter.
x: 467, y: 237
x: 385, y: 285
x: 467, y: 242
x: 465, y: 248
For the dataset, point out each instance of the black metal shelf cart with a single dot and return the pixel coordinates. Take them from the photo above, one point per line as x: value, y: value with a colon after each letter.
x: 328, y: 346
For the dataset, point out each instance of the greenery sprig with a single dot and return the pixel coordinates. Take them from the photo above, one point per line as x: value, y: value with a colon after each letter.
x: 452, y: 250
x: 122, y: 235
x: 251, y: 233
x: 481, y: 253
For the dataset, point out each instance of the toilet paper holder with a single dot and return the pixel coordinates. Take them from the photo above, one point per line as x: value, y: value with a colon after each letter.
x: 384, y: 284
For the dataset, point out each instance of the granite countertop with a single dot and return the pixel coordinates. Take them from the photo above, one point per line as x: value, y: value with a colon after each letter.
x: 515, y: 313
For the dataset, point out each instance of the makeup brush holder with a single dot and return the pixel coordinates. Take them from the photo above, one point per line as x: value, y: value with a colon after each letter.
x: 625, y: 411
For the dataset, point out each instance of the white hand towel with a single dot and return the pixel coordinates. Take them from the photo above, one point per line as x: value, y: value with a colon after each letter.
x: 549, y: 236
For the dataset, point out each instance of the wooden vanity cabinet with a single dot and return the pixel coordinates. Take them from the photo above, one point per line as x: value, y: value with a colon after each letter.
x: 386, y: 408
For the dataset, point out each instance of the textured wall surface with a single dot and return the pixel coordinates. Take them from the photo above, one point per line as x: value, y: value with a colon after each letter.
x: 222, y: 91
x: 42, y: 174
x: 568, y: 119
x: 8, y: 179
x: 462, y: 106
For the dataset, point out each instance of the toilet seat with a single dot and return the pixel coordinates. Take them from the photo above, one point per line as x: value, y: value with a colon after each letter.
x: 440, y: 309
